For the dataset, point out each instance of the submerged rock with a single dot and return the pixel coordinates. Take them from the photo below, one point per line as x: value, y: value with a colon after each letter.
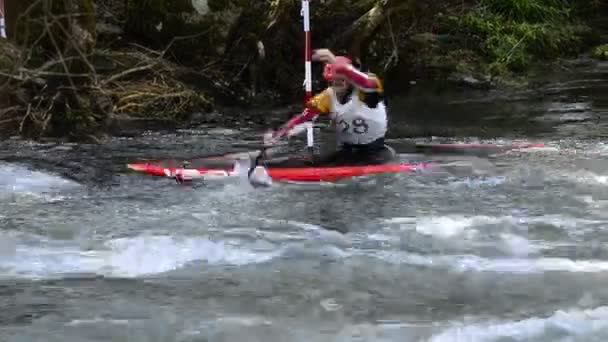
x: 469, y: 80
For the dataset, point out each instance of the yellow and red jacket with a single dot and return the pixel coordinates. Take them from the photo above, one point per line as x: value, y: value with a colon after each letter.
x: 369, y: 89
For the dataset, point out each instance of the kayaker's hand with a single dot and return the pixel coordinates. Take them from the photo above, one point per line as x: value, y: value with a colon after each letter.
x: 324, y: 55
x: 269, y: 138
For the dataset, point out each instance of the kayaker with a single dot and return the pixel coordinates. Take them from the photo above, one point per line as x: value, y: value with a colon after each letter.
x: 354, y: 100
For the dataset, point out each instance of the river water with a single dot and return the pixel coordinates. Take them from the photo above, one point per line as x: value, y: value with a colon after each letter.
x: 511, y: 249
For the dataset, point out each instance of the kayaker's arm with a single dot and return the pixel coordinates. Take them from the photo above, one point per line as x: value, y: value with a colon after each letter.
x: 319, y: 104
x: 369, y: 86
x: 367, y: 82
x: 307, y: 115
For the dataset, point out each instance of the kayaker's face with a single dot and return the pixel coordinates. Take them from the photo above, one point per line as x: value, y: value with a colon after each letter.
x: 340, y: 85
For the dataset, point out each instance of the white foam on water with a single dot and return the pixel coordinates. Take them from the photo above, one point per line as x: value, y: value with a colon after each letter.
x: 19, y: 179
x: 573, y: 325
x: 518, y: 246
x: 563, y: 326
x: 590, y: 178
x: 458, y: 224
x: 378, y: 237
x: 588, y: 199
x: 597, y: 148
x: 97, y: 320
x: 124, y: 257
x: 158, y: 254
x: 583, y: 177
x: 460, y: 231
x: 458, y: 219
x: 473, y: 263
x: 479, y: 182
x: 459, y: 235
x: 560, y: 221
x: 448, y: 226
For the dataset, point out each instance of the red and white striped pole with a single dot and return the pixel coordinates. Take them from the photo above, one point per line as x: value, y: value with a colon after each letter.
x: 2, y: 21
x: 307, y: 71
x: 307, y: 51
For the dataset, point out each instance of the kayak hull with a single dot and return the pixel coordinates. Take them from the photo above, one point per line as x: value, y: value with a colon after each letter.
x: 299, y: 174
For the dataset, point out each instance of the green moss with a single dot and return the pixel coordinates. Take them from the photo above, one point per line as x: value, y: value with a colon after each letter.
x: 601, y: 52
x: 532, y: 11
x: 514, y: 34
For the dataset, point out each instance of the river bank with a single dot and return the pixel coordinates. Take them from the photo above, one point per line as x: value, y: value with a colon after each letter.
x: 223, y: 65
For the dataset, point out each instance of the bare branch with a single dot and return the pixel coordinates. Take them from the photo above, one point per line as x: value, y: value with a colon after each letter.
x: 127, y: 72
x: 27, y: 114
x: 8, y: 110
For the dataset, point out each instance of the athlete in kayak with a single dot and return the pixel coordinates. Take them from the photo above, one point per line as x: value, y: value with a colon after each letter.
x: 354, y: 100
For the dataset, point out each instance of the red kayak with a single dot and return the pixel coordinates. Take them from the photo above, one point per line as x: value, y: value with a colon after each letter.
x: 223, y: 166
x: 295, y: 174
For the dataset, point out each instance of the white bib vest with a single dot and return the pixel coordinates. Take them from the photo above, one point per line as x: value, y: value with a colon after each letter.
x: 356, y: 123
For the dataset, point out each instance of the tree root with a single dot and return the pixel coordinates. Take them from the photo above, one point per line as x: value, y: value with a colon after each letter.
x: 52, y: 99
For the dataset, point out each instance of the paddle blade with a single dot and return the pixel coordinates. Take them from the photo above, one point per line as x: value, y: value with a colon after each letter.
x: 259, y: 177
